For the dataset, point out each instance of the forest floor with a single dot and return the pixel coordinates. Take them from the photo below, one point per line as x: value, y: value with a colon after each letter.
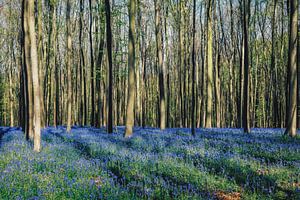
x: 220, y: 164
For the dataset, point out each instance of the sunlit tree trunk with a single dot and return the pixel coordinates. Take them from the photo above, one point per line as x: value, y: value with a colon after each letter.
x: 131, y: 69
x: 208, y: 123
x: 69, y: 72
x: 159, y: 63
x: 194, y: 88
x: 31, y: 37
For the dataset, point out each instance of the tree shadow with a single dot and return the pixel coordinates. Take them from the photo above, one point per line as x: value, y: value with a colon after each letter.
x: 4, y: 130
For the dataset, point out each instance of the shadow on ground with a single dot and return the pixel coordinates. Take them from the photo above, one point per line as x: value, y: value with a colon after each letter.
x: 4, y: 130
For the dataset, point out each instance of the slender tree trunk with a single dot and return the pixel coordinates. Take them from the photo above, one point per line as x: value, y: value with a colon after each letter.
x: 22, y: 97
x: 54, y: 80
x: 23, y: 81
x: 99, y: 68
x: 110, y: 67
x: 208, y: 123
x: 34, y: 71
x: 241, y: 75
x: 131, y: 68
x: 181, y: 62
x: 246, y: 5
x: 194, y: 93
x: 11, y: 97
x: 274, y: 67
x: 291, y: 126
x: 82, y: 67
x: 159, y: 63
x: 231, y: 65
x: 29, y: 89
x: 40, y: 57
x: 217, y: 69
x: 92, y: 66
x: 69, y: 72
x: 203, y: 77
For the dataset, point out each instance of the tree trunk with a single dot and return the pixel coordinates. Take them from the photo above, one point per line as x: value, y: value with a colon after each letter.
x: 29, y: 90
x: 110, y: 67
x: 131, y: 69
x: 291, y: 126
x: 92, y: 67
x: 208, y: 123
x: 69, y: 72
x: 99, y: 68
x: 246, y: 5
x: 274, y: 68
x: 194, y: 93
x: 159, y: 62
x: 40, y: 57
x: 34, y: 71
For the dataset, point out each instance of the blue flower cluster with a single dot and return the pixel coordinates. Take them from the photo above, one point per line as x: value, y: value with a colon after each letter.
x: 90, y: 164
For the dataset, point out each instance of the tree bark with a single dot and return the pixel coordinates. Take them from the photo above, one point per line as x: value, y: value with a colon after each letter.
x: 92, y: 66
x: 131, y: 68
x: 29, y: 90
x: 159, y: 63
x: 291, y: 126
x: 34, y: 71
x: 110, y: 67
x: 246, y: 5
x: 208, y: 123
x: 194, y: 88
x: 69, y: 72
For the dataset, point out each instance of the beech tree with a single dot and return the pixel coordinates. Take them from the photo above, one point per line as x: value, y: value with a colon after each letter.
x: 239, y: 69
x: 110, y: 67
x: 194, y: 93
x: 159, y: 63
x: 131, y: 69
x: 208, y: 121
x: 291, y: 126
x: 69, y: 72
x: 246, y: 8
x: 32, y: 67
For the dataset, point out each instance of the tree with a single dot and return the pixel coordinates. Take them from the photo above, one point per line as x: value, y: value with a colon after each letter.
x: 159, y: 63
x: 40, y: 56
x: 10, y: 76
x: 29, y: 132
x: 291, y: 126
x: 53, y: 65
x: 274, y: 67
x: 205, y: 72
x: 131, y: 69
x: 92, y: 66
x: 99, y: 64
x: 69, y: 72
x: 83, y: 104
x: 30, y: 39
x: 208, y: 123
x: 246, y: 6
x: 194, y: 93
x: 110, y: 67
x: 181, y: 60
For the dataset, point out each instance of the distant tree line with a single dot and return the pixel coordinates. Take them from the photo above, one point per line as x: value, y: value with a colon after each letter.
x: 184, y: 63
